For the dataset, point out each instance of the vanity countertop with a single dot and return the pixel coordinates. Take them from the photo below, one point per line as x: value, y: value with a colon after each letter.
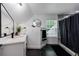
x: 16, y: 39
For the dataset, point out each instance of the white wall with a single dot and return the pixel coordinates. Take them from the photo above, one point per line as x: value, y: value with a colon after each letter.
x: 43, y: 18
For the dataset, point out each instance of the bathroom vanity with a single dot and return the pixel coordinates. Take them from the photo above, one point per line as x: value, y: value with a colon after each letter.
x: 13, y: 46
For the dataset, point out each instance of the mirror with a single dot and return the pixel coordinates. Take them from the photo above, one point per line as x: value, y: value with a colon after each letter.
x: 36, y: 23
x: 6, y: 23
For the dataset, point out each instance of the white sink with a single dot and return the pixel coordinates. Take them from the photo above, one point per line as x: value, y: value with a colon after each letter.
x: 9, y: 40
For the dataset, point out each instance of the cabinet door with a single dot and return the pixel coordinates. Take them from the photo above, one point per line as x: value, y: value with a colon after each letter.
x: 1, y: 51
x: 16, y: 49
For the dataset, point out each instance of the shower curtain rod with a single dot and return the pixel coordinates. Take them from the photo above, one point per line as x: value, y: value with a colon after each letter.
x: 68, y: 16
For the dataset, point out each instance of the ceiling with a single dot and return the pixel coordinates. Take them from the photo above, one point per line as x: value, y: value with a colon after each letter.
x: 27, y: 10
x: 53, y: 8
x: 45, y: 8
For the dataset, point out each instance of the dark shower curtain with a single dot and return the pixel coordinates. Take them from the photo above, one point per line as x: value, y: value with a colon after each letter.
x: 0, y: 20
x: 69, y: 32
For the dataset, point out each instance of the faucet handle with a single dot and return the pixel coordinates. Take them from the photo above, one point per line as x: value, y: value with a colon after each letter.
x: 12, y: 35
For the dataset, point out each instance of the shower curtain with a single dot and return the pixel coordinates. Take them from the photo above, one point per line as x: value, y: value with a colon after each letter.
x: 69, y: 32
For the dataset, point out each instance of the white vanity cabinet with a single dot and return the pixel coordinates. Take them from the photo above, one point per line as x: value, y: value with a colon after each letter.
x: 13, y: 47
x: 0, y: 51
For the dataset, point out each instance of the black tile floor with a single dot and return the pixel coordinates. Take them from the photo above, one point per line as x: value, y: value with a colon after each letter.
x: 48, y: 50
x: 60, y: 51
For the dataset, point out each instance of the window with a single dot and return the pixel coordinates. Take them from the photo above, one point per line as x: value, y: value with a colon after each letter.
x: 51, y: 25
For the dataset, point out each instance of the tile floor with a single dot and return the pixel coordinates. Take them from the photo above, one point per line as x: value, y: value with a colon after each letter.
x: 49, y: 50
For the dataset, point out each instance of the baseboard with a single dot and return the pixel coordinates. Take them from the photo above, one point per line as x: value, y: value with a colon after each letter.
x: 68, y: 50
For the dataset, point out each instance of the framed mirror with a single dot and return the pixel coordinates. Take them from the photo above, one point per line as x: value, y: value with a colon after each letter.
x: 36, y: 23
x: 6, y: 22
